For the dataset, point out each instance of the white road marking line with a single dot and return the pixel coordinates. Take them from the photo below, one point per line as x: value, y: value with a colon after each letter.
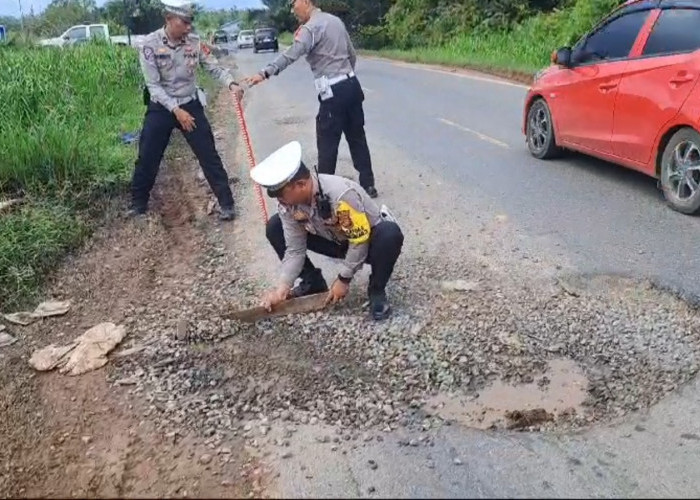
x: 461, y: 75
x: 481, y: 136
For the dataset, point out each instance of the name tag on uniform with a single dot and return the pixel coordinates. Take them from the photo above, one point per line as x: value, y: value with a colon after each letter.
x: 324, y: 88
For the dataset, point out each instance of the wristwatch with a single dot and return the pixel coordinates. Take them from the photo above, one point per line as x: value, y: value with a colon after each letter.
x: 344, y: 279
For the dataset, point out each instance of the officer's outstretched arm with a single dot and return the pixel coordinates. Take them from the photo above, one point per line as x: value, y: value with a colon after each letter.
x: 295, y: 255
x: 355, y: 223
x: 304, y: 40
x: 212, y: 66
x: 149, y: 68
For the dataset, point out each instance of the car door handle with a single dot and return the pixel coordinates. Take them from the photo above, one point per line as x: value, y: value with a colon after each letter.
x: 682, y: 79
x: 607, y: 86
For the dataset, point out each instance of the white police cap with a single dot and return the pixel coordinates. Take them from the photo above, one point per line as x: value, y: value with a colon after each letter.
x: 182, y: 8
x: 279, y: 168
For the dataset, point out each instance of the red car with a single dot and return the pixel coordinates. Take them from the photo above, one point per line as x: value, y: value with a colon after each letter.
x: 628, y: 92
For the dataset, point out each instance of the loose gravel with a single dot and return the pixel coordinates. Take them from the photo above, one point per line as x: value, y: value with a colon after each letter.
x: 453, y: 328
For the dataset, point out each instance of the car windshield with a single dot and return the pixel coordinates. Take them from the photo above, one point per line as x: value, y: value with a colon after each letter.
x: 245, y: 33
x: 264, y: 32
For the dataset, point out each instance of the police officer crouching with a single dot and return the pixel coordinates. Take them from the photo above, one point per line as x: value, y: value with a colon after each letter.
x: 329, y: 215
x: 169, y: 57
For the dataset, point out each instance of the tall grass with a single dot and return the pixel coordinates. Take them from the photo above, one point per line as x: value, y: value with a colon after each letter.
x: 62, y: 112
x: 61, y: 115
x: 524, y: 48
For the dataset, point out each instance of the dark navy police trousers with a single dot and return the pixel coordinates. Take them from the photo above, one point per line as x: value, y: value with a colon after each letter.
x: 155, y: 135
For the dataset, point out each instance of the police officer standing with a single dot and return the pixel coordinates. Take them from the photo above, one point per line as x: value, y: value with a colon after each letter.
x: 329, y: 51
x: 169, y: 58
x: 329, y: 215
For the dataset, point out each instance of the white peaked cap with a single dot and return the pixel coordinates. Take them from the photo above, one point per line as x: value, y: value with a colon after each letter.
x: 183, y: 8
x: 279, y: 168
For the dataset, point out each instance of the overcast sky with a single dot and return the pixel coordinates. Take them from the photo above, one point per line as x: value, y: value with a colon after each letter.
x: 11, y: 7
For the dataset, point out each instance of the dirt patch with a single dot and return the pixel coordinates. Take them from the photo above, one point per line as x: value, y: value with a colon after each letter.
x: 560, y: 392
x: 80, y: 436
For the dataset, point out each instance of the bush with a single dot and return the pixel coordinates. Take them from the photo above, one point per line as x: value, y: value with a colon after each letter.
x: 63, y: 110
x: 476, y: 34
x: 62, y: 113
x: 371, y: 37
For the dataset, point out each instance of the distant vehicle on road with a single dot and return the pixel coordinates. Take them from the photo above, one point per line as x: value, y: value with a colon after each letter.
x: 245, y: 39
x: 220, y: 42
x: 627, y: 92
x: 220, y: 37
x: 81, y: 33
x: 265, y: 39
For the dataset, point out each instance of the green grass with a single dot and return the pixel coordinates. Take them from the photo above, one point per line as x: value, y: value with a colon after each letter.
x: 33, y: 239
x: 63, y: 112
x: 520, y: 51
x: 525, y: 49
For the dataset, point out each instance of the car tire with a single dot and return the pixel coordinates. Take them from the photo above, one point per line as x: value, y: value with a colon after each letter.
x: 680, y: 171
x: 539, y: 131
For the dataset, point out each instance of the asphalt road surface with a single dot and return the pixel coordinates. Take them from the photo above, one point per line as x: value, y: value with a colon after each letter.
x: 433, y: 131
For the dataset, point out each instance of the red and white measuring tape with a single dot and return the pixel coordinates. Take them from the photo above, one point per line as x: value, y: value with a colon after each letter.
x: 251, y: 157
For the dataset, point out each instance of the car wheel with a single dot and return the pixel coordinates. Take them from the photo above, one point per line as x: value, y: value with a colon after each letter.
x: 680, y: 171
x: 540, y: 132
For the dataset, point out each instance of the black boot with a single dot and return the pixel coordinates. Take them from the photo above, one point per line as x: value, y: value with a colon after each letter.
x: 311, y: 282
x: 379, y: 305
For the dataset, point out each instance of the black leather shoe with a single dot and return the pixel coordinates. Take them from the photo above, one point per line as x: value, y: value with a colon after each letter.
x: 136, y: 212
x: 379, y: 307
x: 372, y: 192
x: 227, y: 214
x: 310, y: 285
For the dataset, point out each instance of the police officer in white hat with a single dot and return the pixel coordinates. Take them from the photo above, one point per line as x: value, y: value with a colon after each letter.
x: 329, y: 215
x: 169, y: 58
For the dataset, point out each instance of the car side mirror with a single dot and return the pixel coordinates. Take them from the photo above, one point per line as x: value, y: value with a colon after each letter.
x: 562, y: 57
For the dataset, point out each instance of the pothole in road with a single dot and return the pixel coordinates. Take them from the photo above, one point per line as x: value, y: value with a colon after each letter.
x: 618, y: 285
x: 557, y: 394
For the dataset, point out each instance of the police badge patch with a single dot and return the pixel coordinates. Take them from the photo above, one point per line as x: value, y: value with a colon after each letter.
x: 147, y: 53
x: 354, y: 224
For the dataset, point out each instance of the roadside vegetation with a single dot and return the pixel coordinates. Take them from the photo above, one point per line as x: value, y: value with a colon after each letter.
x: 63, y: 113
x: 516, y: 36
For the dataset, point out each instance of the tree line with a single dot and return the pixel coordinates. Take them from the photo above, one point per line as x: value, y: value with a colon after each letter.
x: 411, y: 23
x: 373, y: 23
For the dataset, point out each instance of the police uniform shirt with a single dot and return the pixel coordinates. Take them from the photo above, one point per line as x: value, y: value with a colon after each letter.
x: 326, y: 44
x: 169, y: 68
x: 354, y: 216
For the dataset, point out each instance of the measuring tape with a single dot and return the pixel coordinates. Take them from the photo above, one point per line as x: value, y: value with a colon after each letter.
x: 251, y: 157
